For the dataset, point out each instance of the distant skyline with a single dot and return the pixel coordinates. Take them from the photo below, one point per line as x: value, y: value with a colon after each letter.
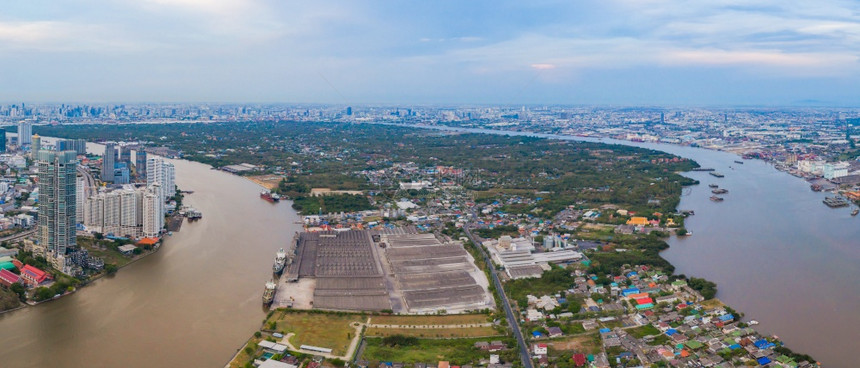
x: 611, y: 52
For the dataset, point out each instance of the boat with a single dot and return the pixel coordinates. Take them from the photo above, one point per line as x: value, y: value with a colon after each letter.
x: 720, y: 191
x: 193, y: 214
x: 269, y: 292
x: 280, y: 261
x: 716, y: 174
x: 753, y: 323
x: 269, y: 196
x: 855, y: 212
x: 834, y: 202
x: 815, y: 187
x: 703, y: 169
x: 739, y: 162
x: 713, y: 185
x: 716, y: 199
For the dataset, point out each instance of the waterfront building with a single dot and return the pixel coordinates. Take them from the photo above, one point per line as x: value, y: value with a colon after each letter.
x: 57, y: 203
x: 153, y: 211
x: 118, y: 212
x: 108, y: 162
x: 161, y: 172
x: 835, y: 170
x: 140, y: 163
x: 25, y: 133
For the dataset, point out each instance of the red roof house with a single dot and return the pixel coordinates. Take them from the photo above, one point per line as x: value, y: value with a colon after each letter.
x: 33, y: 275
x: 8, y: 278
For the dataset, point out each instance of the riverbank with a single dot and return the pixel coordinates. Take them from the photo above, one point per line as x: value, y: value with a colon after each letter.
x: 89, y: 281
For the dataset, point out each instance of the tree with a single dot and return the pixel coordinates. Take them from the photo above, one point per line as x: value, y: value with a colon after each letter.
x: 111, y: 268
x: 20, y: 290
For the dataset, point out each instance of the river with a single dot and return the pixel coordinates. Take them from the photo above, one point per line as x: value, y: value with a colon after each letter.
x: 192, y: 304
x: 776, y: 252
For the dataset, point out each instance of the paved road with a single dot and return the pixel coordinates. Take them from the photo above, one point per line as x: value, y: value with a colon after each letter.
x: 19, y: 235
x: 512, y: 319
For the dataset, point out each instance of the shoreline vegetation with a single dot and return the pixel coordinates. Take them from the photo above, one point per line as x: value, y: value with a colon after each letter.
x: 553, y: 175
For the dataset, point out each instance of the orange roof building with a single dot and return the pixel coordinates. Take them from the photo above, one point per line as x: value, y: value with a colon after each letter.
x: 638, y: 221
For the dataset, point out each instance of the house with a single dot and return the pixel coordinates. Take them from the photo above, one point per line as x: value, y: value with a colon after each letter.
x: 554, y: 332
x: 496, y: 346
x: 540, y: 349
x: 638, y: 221
x: 32, y: 275
x: 444, y: 364
x: 7, y: 278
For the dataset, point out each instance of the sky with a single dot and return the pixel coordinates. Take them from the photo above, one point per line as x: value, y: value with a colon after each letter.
x: 605, y: 52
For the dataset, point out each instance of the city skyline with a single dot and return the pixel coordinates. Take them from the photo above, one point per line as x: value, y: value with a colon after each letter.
x: 619, y: 52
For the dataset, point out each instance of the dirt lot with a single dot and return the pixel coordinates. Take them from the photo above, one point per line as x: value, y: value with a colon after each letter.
x: 268, y: 181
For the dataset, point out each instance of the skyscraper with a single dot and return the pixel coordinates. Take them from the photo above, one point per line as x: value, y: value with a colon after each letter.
x: 25, y: 133
x: 77, y: 145
x: 125, y: 155
x: 57, y: 204
x: 140, y: 163
x: 2, y: 140
x: 108, y: 162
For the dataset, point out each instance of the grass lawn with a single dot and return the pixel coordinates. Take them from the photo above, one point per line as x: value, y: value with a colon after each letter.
x: 712, y: 304
x: 642, y: 331
x: 457, y: 351
x: 586, y: 344
x: 325, y: 330
x: 433, y: 332
x: 454, y: 319
x: 108, y: 255
x: 243, y: 357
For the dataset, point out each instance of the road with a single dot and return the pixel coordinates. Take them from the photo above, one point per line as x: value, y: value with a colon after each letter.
x: 512, y: 319
x: 18, y: 235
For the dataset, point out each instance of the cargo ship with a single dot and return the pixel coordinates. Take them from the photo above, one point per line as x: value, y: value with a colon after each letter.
x: 834, y: 202
x: 716, y: 174
x: 720, y: 191
x: 716, y: 199
x: 713, y: 186
x: 269, y: 292
x: 280, y: 261
x: 269, y: 196
x: 739, y: 162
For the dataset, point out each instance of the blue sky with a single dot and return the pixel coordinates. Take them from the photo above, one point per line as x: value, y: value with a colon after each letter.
x: 616, y: 52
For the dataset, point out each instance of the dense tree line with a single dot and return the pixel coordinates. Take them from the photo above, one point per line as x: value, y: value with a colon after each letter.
x: 332, y: 154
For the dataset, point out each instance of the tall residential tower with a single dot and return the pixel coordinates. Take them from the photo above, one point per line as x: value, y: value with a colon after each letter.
x: 57, y: 203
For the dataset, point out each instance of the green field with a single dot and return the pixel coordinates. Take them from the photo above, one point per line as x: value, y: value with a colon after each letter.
x: 326, y: 330
x: 439, y: 333
x: 642, y: 331
x: 109, y: 255
x: 453, y: 319
x: 457, y: 351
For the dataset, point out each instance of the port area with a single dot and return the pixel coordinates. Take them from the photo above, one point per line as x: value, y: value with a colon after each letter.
x: 297, y: 295
x: 398, y: 270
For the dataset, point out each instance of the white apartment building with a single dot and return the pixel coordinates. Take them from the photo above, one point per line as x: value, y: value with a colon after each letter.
x: 162, y: 172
